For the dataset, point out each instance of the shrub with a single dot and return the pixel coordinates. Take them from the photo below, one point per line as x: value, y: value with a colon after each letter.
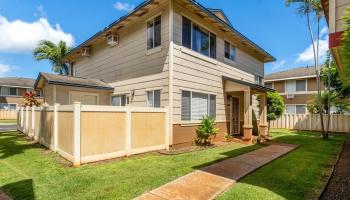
x: 206, y: 131
x: 30, y: 99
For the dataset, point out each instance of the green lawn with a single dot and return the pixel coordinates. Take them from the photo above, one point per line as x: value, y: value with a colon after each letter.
x: 27, y: 171
x: 299, y: 175
x: 8, y: 121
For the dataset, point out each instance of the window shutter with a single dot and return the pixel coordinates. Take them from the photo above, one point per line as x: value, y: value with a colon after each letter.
x: 212, y: 106
x: 186, y: 105
x: 156, y: 99
x: 186, y: 32
x: 157, y: 31
x: 212, y: 45
x: 199, y: 105
x: 227, y: 50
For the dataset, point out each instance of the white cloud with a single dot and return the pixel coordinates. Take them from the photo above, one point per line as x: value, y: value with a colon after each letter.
x: 323, y: 32
x: 4, y: 69
x: 278, y: 64
x: 40, y: 12
x: 308, y: 55
x: 21, y: 36
x: 124, y: 6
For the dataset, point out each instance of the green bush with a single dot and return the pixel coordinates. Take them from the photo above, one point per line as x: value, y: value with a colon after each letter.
x: 206, y: 131
x: 275, y: 106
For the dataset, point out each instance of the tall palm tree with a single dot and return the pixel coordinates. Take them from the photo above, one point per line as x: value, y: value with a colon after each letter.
x: 48, y: 50
x: 308, y: 8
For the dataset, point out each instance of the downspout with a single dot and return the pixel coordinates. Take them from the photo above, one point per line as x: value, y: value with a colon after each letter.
x: 170, y: 69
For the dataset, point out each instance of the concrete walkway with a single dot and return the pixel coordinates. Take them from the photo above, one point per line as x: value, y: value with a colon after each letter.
x: 209, y: 182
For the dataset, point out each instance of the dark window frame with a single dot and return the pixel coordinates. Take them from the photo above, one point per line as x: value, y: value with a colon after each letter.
x: 155, y: 40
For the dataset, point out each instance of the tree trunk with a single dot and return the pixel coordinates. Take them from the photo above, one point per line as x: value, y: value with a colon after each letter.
x: 329, y: 94
x: 320, y: 107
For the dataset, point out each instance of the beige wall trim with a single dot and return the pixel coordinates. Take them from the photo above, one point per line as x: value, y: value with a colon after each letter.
x: 332, y: 16
x: 76, y: 134
x: 107, y: 156
x: 147, y: 149
x: 171, y: 68
x: 32, y: 131
x: 55, y: 127
x: 65, y: 155
x: 291, y: 78
x: 65, y: 108
x: 27, y: 121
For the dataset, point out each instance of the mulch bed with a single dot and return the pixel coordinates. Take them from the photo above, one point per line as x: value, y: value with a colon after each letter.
x: 339, y: 184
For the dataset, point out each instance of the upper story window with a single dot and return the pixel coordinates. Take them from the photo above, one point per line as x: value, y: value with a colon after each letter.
x: 296, y: 86
x: 8, y: 91
x: 230, y: 51
x: 269, y: 85
x: 295, y: 109
x: 153, y: 98
x: 8, y: 106
x: 198, y: 39
x: 119, y: 100
x: 72, y: 69
x: 258, y: 79
x: 195, y: 105
x: 154, y: 28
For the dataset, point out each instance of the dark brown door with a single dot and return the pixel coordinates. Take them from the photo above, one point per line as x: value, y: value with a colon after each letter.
x: 235, y: 115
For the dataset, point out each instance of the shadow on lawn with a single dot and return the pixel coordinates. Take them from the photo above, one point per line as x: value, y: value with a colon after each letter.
x: 20, y: 190
x: 12, y: 143
x: 296, y: 174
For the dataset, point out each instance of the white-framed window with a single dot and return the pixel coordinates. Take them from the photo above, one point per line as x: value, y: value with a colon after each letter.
x: 198, y: 39
x: 293, y: 86
x: 195, y: 105
x: 230, y: 51
x: 300, y: 85
x: 296, y: 109
x: 119, y: 100
x: 72, y: 69
x: 8, y: 106
x: 8, y: 91
x: 258, y: 79
x: 153, y: 98
x: 269, y: 85
x: 154, y: 32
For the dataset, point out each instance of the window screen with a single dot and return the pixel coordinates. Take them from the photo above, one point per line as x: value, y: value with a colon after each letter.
x: 199, y: 105
x: 186, y: 105
x: 300, y: 109
x: 153, y: 98
x: 301, y: 85
x: 200, y: 40
x: 290, y: 109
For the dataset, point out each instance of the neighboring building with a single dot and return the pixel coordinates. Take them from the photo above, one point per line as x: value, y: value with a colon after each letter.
x: 170, y: 53
x: 334, y: 11
x: 12, y: 90
x: 297, y: 86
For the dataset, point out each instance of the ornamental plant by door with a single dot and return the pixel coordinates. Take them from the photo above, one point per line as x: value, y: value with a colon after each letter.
x: 206, y: 131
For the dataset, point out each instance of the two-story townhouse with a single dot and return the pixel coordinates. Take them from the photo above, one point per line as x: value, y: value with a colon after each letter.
x: 334, y: 11
x: 297, y: 86
x: 12, y: 90
x: 170, y: 53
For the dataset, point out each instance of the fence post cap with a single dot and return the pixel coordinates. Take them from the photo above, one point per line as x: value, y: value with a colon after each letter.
x: 76, y: 102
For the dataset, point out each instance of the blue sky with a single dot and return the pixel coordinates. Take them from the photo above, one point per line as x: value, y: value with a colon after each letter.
x: 269, y: 23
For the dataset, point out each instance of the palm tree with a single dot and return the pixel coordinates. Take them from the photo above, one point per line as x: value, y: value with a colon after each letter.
x: 307, y: 8
x: 48, y: 50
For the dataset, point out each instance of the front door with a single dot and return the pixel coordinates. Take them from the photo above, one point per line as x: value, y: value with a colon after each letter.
x: 235, y: 115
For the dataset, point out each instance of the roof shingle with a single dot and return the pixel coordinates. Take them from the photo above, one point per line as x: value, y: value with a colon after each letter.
x: 291, y: 73
x: 17, y: 81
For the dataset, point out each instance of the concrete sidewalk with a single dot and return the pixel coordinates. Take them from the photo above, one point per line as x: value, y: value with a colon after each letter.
x: 209, y: 182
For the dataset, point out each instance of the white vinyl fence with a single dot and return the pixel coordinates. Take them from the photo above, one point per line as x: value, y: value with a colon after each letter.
x: 8, y: 114
x: 83, y: 133
x: 312, y: 122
